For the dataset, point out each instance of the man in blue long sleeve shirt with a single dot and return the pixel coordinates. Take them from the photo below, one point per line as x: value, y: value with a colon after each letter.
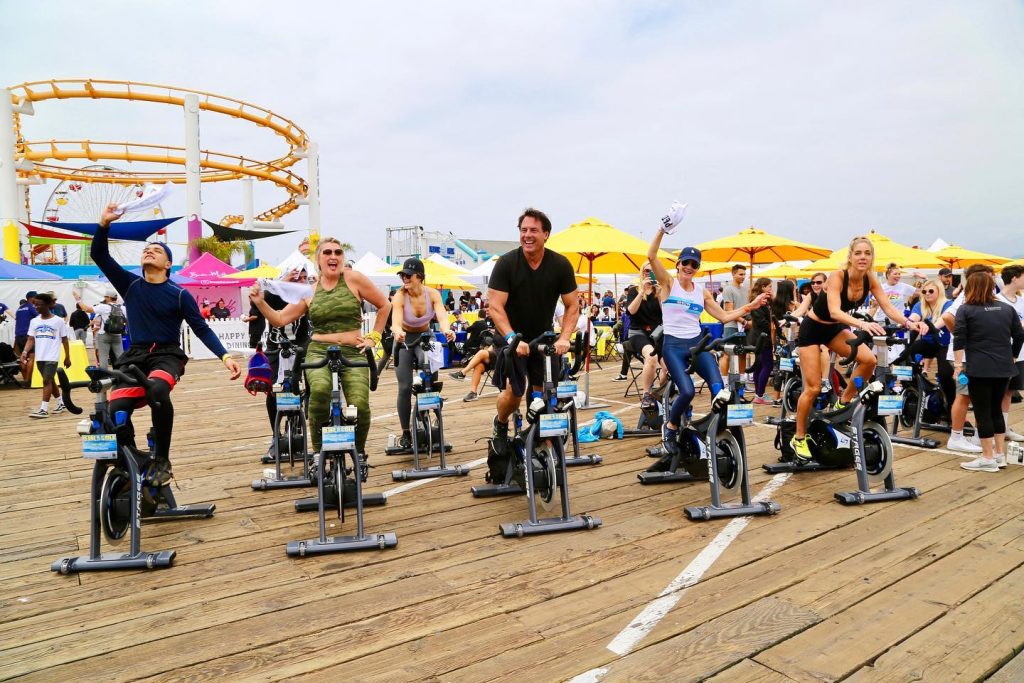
x: 156, y: 308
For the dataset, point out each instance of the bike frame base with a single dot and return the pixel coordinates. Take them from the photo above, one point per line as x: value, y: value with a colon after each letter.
x: 398, y: 450
x: 282, y: 483
x: 313, y: 504
x: 495, y: 490
x: 182, y: 511
x: 796, y: 468
x: 158, y: 560
x: 665, y: 477
x: 592, y: 459
x: 340, y: 544
x: 861, y: 497
x: 548, y: 526
x: 920, y: 442
x: 429, y: 473
x: 702, y: 513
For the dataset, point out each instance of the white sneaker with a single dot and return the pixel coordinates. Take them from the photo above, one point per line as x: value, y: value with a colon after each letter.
x: 1013, y: 436
x: 960, y: 443
x: 1000, y: 459
x: 981, y: 465
x: 973, y: 438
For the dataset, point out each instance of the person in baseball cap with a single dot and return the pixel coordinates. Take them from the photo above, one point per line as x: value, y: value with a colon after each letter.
x: 946, y: 277
x: 413, y: 266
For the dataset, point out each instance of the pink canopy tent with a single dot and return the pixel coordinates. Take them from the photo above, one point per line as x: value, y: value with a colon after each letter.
x: 209, y: 282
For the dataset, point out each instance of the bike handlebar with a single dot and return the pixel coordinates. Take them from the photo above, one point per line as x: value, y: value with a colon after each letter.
x: 544, y: 344
x: 335, y: 358
x: 701, y: 347
x: 863, y: 337
x: 100, y: 379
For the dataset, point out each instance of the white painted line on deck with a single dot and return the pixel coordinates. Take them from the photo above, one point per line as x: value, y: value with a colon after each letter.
x: 420, y: 482
x: 591, y: 676
x: 655, y: 611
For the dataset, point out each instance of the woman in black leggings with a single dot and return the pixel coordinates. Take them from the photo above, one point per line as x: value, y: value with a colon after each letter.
x: 991, y: 331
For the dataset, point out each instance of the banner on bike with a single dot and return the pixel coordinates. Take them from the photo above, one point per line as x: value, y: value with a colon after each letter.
x: 890, y: 405
x: 428, y: 400
x: 903, y: 373
x: 740, y: 415
x: 288, y: 402
x: 99, y: 446
x: 338, y: 438
x: 786, y: 364
x: 553, y: 424
x: 565, y: 390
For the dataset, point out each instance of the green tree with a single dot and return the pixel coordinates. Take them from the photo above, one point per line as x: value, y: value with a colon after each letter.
x: 221, y: 249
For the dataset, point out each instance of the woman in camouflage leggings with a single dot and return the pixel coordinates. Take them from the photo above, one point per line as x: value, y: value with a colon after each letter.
x: 335, y: 312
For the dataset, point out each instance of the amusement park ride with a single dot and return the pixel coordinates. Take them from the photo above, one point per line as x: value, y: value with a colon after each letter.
x: 82, y: 191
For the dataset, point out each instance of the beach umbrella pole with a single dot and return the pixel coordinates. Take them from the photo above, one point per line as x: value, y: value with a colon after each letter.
x: 587, y: 404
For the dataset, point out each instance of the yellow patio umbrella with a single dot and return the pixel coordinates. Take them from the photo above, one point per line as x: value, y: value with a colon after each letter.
x: 757, y: 246
x: 265, y: 271
x: 886, y: 252
x: 782, y: 271
x: 604, y: 249
x: 1018, y: 262
x: 957, y: 257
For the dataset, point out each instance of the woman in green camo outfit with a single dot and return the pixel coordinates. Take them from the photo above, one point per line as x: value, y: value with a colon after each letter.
x: 335, y: 312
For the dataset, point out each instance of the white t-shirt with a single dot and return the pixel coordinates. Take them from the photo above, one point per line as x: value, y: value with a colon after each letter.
x: 48, y: 335
x: 953, y: 308
x: 1018, y: 306
x: 897, y: 295
x: 681, y: 311
x: 101, y: 311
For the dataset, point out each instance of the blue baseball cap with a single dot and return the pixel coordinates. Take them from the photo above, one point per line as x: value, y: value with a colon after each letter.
x: 689, y: 254
x: 167, y: 249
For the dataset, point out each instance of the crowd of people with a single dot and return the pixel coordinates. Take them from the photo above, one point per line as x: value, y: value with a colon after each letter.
x: 968, y: 332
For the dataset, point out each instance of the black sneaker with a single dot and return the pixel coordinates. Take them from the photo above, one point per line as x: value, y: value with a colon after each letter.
x: 499, y: 430
x: 648, y: 401
x: 471, y: 396
x: 458, y: 374
x: 159, y: 471
x: 405, y: 441
x: 619, y: 378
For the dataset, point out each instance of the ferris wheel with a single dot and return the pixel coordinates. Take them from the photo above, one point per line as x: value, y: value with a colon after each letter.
x: 74, y: 201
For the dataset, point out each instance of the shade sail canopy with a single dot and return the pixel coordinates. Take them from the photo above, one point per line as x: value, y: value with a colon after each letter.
x: 757, y: 246
x: 593, y: 246
x: 137, y: 231
x: 227, y: 233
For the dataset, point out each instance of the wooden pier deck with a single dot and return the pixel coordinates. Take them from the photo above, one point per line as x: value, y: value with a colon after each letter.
x: 929, y: 590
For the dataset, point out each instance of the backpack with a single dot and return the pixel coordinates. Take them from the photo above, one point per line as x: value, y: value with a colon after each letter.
x: 115, y: 322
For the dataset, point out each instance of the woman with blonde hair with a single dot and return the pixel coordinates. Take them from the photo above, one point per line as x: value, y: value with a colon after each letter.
x: 828, y: 323
x: 932, y: 304
x: 335, y: 313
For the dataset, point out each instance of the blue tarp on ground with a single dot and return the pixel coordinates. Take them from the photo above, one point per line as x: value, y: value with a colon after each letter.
x: 16, y: 271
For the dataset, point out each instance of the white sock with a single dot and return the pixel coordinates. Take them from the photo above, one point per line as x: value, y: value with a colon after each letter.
x: 1006, y: 422
x: 953, y: 433
x: 60, y: 400
x: 44, y: 406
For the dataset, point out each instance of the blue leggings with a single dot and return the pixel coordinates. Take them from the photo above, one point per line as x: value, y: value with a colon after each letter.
x: 675, y: 352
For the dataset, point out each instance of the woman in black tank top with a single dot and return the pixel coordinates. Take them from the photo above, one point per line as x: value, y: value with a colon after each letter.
x: 828, y: 323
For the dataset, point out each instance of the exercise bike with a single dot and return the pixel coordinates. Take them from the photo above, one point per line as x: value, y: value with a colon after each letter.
x: 331, y: 470
x: 924, y: 404
x: 121, y: 494
x: 537, y: 465
x: 428, y: 422
x: 852, y: 436
x: 290, y: 442
x: 720, y: 432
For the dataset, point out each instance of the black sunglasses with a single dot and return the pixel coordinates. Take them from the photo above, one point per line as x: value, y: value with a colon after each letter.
x: 929, y: 291
x: 332, y: 252
x: 817, y: 282
x: 690, y: 262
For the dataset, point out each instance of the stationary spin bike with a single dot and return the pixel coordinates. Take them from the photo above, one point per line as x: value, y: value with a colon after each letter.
x: 852, y: 436
x: 537, y: 466
x: 428, y: 423
x: 290, y: 437
x: 719, y: 432
x: 122, y: 495
x: 334, y: 485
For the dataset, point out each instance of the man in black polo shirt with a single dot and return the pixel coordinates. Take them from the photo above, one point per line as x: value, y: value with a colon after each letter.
x: 524, y: 288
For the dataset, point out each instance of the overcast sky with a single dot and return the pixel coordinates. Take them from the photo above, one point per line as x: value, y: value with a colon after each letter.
x: 814, y: 120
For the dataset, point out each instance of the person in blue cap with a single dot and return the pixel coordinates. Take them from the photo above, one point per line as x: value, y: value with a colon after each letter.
x: 156, y: 308
x: 683, y: 300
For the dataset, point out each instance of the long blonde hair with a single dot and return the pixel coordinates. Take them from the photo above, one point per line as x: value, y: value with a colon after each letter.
x: 928, y: 311
x: 860, y: 239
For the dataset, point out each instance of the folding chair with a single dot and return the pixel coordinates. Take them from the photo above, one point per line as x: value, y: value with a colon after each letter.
x: 10, y: 368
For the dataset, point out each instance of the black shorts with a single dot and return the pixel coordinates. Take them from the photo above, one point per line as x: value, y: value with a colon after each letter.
x: 47, y: 369
x: 1017, y: 381
x: 814, y: 333
x: 19, y: 342
x: 535, y: 369
x: 165, y: 359
x: 638, y: 339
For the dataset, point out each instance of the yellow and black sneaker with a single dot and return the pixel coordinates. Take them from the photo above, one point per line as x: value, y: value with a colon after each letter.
x: 801, y: 449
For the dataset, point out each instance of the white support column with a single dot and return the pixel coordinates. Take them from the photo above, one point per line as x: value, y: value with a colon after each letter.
x: 9, y: 194
x: 247, y: 203
x: 193, y: 178
x: 313, y: 182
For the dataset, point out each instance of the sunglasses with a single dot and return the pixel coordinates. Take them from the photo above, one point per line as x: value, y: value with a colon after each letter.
x: 332, y: 252
x: 691, y: 263
x: 929, y: 291
x: 817, y: 282
x: 405, y: 276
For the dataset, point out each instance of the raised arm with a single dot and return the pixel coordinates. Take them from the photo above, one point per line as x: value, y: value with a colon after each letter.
x: 99, y: 251
x: 712, y: 307
x: 660, y: 272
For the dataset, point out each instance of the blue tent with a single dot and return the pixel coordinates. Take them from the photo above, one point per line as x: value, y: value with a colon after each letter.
x: 128, y: 230
x: 16, y: 271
